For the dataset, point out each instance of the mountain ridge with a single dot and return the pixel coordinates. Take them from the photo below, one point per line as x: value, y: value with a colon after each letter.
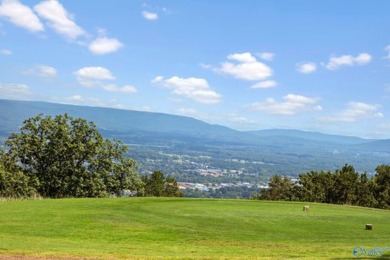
x: 165, y: 137
x: 105, y: 118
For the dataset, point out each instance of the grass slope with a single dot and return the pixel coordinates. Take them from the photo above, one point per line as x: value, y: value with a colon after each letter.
x: 182, y: 228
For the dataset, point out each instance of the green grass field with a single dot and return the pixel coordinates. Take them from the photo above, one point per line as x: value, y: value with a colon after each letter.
x: 180, y: 228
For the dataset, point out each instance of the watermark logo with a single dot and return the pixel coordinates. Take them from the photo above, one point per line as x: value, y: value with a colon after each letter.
x: 359, y: 251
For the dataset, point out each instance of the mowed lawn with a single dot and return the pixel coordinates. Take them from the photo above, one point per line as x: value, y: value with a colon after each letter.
x: 180, y: 228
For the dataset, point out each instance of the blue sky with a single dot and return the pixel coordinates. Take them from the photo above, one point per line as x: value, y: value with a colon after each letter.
x: 249, y: 65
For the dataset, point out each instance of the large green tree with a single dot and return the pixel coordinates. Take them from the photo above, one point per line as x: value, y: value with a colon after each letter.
x: 68, y: 157
x: 316, y: 186
x: 159, y: 185
x: 345, y: 185
x: 382, y: 186
x: 280, y: 188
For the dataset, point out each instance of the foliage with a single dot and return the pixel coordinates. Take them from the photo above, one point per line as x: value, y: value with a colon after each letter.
x: 344, y: 186
x: 280, y: 188
x: 382, y: 186
x: 67, y: 157
x: 13, y: 183
x: 158, y: 185
x: 240, y: 192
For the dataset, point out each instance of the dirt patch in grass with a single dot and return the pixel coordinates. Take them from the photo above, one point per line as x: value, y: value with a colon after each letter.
x: 22, y: 257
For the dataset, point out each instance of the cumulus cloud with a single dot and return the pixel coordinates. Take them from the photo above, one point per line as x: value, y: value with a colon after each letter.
x: 43, y: 71
x: 59, y: 19
x: 14, y: 91
x: 354, y: 112
x: 20, y: 15
x: 150, y: 15
x: 245, y: 57
x: 291, y: 105
x: 93, y: 76
x: 244, y: 66
x: 348, y: 60
x: 265, y: 84
x: 125, y: 89
x: 269, y: 56
x: 104, y: 45
x: 5, y: 52
x: 100, y: 77
x: 196, y: 89
x: 307, y: 68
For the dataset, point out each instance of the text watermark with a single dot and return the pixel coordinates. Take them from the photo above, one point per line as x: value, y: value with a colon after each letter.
x: 359, y: 251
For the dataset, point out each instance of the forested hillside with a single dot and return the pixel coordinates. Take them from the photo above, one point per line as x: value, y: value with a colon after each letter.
x: 198, y: 152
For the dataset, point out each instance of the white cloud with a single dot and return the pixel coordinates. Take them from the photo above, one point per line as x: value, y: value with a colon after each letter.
x: 5, y: 52
x: 354, y: 112
x: 93, y: 102
x: 20, y: 15
x: 150, y: 15
x: 363, y: 58
x: 59, y: 19
x: 188, y: 112
x: 93, y: 76
x: 236, y: 119
x: 245, y: 57
x: 205, y: 66
x: 348, y: 60
x: 14, y: 91
x: 388, y: 51
x: 88, y: 101
x: 246, y: 67
x: 196, y: 89
x: 269, y: 56
x: 125, y: 89
x: 98, y: 77
x: 42, y: 71
x: 157, y: 79
x: 292, y: 104
x: 104, y: 45
x: 307, y: 68
x: 265, y: 84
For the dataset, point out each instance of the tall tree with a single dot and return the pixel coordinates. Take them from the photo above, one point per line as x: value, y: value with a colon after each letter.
x: 67, y: 157
x: 382, y: 186
x: 365, y: 192
x: 316, y: 186
x: 345, y: 185
x: 158, y: 185
x: 279, y: 188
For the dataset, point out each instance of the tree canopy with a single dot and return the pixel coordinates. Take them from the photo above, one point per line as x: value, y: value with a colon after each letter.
x: 344, y: 186
x: 65, y: 157
x: 158, y: 185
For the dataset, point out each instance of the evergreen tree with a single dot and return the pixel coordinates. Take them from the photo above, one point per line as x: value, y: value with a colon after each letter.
x: 158, y: 185
x: 382, y: 186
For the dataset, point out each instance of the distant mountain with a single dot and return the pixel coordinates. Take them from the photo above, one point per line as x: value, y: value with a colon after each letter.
x: 307, y: 135
x: 267, y: 151
x: 13, y: 113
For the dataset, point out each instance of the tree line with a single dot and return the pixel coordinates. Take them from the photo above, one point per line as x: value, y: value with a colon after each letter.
x: 344, y: 186
x: 58, y: 157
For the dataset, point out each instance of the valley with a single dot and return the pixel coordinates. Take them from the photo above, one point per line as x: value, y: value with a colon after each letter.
x: 216, y: 157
